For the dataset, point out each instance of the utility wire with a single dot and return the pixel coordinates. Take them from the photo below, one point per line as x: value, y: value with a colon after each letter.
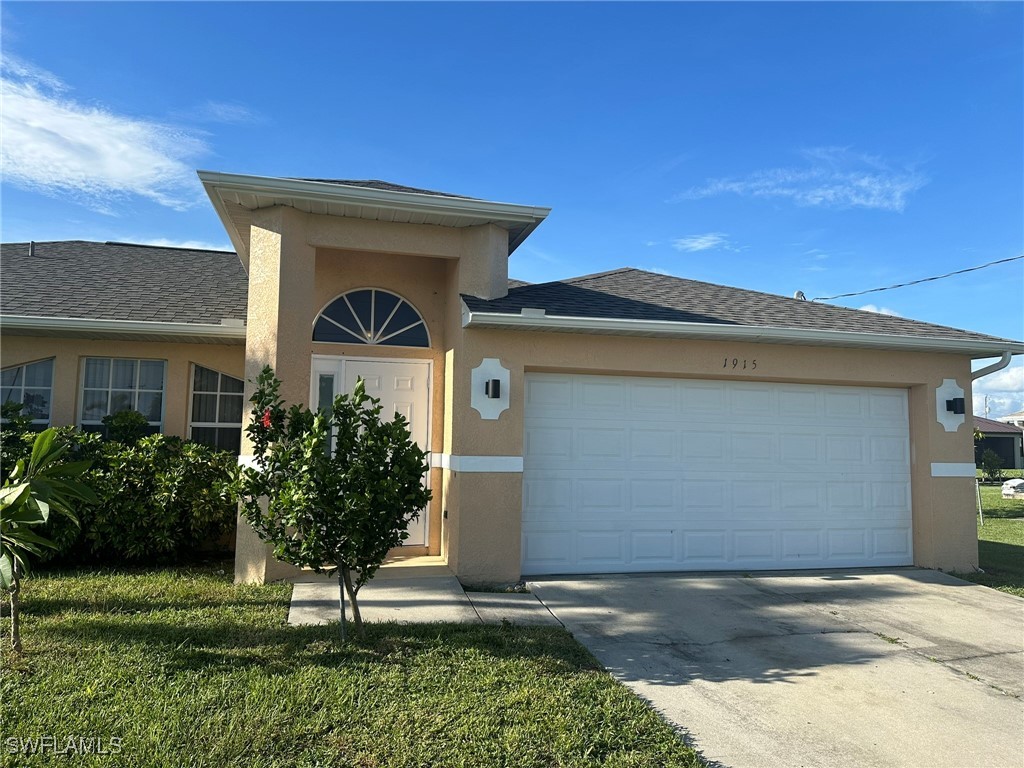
x: 915, y: 282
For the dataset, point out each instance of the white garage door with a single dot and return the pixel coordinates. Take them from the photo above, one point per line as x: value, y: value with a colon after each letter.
x: 639, y: 474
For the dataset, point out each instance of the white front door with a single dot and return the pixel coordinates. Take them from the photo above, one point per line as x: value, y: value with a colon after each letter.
x: 402, y: 386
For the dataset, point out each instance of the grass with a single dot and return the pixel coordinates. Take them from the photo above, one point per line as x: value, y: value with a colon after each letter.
x: 1001, y: 556
x: 994, y: 505
x: 189, y: 670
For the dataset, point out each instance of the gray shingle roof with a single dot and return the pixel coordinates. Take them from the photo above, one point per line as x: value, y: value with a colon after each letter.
x: 116, y: 281
x: 387, y: 186
x: 633, y: 294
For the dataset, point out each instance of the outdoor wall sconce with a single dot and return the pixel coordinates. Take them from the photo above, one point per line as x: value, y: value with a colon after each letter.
x: 949, y: 405
x: 489, y: 388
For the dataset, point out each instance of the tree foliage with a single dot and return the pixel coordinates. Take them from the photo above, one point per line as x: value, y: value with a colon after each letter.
x: 991, y: 464
x: 332, y: 490
x: 38, y: 486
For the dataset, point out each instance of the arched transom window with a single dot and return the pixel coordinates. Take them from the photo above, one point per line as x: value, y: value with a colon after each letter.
x: 371, y: 316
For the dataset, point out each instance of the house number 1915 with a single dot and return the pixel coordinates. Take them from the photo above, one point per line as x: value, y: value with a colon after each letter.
x: 740, y: 364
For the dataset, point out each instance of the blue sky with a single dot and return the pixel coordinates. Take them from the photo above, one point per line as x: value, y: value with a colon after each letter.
x: 826, y: 148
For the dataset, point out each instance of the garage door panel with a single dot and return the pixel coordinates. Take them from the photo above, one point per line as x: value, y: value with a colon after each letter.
x: 661, y: 474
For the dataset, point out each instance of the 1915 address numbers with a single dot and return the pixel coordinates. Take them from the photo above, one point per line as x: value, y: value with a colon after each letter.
x: 739, y: 364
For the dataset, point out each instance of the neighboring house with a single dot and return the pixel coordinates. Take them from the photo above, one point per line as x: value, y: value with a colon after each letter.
x: 1005, y: 439
x: 1017, y: 419
x: 623, y: 421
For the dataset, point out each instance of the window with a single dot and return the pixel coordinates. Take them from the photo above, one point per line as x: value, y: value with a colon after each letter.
x: 111, y: 385
x: 371, y: 316
x: 217, y: 403
x: 32, y: 386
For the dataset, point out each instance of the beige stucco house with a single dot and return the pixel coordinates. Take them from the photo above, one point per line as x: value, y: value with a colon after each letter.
x: 622, y: 421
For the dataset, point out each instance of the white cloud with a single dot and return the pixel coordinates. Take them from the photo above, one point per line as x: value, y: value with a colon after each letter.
x: 655, y: 270
x: 201, y: 245
x: 834, y: 177
x: 59, y: 146
x: 1005, y: 391
x: 880, y: 310
x: 225, y: 112
x: 706, y: 242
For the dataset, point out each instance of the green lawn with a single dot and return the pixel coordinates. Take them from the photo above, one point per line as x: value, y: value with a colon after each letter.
x: 994, y: 505
x: 1001, y: 556
x: 188, y: 670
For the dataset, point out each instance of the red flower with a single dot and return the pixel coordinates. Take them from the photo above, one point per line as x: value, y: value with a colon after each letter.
x: 267, y: 423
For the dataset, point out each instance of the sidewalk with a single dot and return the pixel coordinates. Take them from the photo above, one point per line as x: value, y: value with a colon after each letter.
x: 415, y: 594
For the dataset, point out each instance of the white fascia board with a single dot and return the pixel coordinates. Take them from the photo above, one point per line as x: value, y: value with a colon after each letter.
x: 129, y: 327
x: 760, y: 334
x: 381, y: 198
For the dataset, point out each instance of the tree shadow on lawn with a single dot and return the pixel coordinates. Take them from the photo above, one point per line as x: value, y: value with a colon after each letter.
x: 222, y: 645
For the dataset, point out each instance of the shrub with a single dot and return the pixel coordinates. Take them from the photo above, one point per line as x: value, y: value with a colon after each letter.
x: 126, y: 427
x: 161, y: 499
x: 991, y: 464
x: 16, y: 436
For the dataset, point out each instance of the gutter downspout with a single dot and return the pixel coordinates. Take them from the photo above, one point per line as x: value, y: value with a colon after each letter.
x: 1004, y: 361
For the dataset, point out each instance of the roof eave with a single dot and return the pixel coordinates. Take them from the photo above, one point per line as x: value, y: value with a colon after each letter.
x: 976, y: 348
x: 483, y: 211
x: 140, y: 330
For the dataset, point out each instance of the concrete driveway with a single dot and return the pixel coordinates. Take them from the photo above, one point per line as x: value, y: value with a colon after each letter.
x: 903, y: 667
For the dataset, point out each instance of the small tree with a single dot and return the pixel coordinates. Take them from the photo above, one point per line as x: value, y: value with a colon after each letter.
x: 991, y: 465
x: 332, y: 490
x: 36, y: 487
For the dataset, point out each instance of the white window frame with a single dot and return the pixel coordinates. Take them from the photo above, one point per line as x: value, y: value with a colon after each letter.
x: 83, y: 423
x: 373, y: 337
x: 192, y: 392
x: 52, y: 360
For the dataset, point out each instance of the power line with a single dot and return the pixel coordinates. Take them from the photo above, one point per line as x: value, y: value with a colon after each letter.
x: 916, y: 282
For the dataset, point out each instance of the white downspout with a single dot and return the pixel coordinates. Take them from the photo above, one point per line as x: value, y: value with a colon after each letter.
x: 1004, y: 361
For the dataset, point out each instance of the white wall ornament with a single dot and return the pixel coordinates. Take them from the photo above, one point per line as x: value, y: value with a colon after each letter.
x: 489, y: 408
x: 948, y: 390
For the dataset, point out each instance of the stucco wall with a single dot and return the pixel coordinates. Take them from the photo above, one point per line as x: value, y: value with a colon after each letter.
x: 69, y: 356
x: 490, y: 504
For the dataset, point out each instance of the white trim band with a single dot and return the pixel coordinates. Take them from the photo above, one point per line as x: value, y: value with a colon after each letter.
x: 953, y: 469
x: 233, y: 332
x: 477, y: 463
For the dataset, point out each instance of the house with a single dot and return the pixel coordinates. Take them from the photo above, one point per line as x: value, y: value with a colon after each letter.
x: 615, y: 422
x: 1004, y: 439
x: 1016, y: 419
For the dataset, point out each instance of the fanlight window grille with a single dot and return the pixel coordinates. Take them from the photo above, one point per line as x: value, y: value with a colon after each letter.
x: 370, y: 316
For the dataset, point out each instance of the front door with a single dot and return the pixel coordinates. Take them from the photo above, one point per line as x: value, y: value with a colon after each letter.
x: 402, y: 386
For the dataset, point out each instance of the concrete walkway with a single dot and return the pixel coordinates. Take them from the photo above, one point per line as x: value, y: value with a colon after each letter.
x: 401, y: 594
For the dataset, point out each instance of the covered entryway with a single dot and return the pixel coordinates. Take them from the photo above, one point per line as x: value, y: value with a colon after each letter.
x: 402, y: 386
x: 656, y: 474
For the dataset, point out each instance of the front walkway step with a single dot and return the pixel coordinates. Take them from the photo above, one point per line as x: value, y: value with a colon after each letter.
x: 405, y: 600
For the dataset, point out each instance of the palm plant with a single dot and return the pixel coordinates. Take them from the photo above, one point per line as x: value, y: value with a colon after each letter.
x: 37, y: 487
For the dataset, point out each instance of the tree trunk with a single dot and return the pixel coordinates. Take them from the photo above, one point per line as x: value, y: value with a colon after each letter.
x: 346, y: 574
x: 16, y: 612
x: 341, y: 604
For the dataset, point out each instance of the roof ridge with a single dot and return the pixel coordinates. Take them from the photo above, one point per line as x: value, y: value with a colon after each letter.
x: 803, y: 302
x: 150, y: 245
x: 116, y: 242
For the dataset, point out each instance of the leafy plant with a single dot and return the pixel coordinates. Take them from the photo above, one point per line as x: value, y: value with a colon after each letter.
x: 16, y: 436
x: 126, y: 426
x: 991, y: 464
x: 332, y: 490
x: 38, y: 486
